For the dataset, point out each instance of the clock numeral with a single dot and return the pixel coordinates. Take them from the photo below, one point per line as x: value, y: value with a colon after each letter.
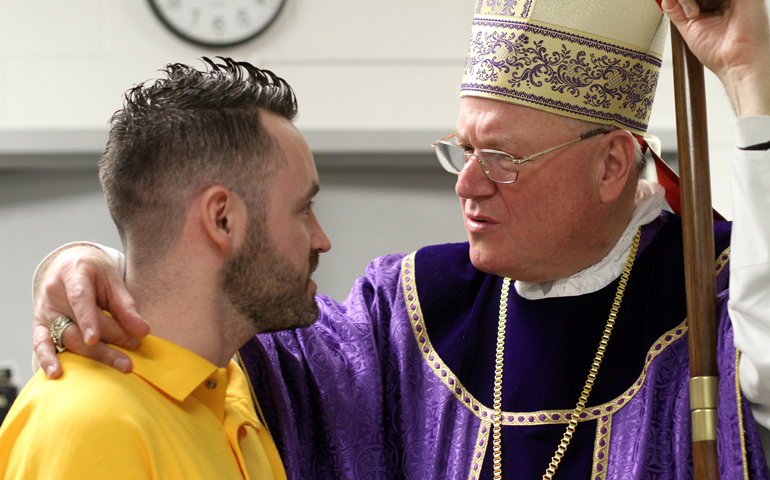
x: 218, y: 24
x: 243, y: 17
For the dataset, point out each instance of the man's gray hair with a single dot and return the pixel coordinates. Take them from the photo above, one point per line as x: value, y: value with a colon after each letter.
x: 640, y: 161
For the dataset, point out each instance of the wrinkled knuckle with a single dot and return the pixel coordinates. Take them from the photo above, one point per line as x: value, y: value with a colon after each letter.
x: 67, y: 263
x: 70, y: 335
x: 40, y: 336
x: 85, y: 259
x: 105, y: 355
x: 42, y: 316
x: 76, y: 345
x: 112, y: 332
x: 76, y: 293
x: 50, y: 288
x: 129, y: 302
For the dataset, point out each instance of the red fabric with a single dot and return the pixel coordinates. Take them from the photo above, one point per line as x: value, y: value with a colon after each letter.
x: 668, y: 179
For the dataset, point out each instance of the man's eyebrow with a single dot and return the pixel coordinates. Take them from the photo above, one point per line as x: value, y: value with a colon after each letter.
x: 494, y: 143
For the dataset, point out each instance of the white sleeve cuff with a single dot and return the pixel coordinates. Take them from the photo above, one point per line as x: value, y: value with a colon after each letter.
x: 117, y: 258
x: 751, y: 130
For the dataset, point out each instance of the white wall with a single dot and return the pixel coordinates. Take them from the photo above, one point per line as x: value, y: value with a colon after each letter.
x: 366, y: 213
x: 385, y: 70
x: 376, y: 80
x: 361, y: 65
x: 720, y: 113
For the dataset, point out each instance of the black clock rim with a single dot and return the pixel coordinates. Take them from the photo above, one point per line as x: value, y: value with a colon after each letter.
x: 201, y: 43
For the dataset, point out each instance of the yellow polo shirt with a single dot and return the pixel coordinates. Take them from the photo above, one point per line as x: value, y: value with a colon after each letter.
x: 176, y: 416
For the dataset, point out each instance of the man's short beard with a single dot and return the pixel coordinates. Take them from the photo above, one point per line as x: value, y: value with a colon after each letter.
x: 265, y: 288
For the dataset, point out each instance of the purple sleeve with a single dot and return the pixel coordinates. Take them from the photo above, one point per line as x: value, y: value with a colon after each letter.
x: 322, y: 389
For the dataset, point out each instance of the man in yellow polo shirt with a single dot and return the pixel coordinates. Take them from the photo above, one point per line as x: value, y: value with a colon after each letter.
x: 210, y: 186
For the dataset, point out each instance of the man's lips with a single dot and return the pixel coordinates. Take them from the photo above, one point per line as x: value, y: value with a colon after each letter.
x: 476, y: 223
x: 475, y: 217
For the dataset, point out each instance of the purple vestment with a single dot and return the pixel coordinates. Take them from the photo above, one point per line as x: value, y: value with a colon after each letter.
x: 397, y: 381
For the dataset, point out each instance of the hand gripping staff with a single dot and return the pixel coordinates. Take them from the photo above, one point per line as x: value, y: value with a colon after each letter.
x: 697, y: 217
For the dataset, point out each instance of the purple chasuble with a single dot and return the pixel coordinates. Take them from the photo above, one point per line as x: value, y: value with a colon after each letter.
x: 397, y: 381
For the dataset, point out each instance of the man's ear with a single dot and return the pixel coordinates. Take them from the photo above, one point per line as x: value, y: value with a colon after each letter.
x: 618, y: 165
x: 224, y: 218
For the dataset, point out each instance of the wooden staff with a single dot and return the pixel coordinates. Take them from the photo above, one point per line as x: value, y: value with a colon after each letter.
x: 697, y: 217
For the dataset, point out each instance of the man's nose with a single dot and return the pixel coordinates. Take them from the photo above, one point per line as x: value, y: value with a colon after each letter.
x: 320, y: 242
x: 473, y: 182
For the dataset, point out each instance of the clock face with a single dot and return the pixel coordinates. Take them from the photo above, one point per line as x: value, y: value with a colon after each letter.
x: 217, y: 23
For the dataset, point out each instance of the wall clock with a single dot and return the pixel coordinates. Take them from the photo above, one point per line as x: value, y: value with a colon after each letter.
x: 217, y: 23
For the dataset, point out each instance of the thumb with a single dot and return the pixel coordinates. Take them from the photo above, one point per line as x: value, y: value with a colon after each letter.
x: 679, y: 11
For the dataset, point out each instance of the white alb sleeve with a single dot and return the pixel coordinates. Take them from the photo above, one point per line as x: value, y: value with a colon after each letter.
x: 749, y: 304
x: 115, y: 255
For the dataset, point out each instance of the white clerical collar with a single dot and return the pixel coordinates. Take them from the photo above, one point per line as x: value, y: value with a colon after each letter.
x: 647, y: 207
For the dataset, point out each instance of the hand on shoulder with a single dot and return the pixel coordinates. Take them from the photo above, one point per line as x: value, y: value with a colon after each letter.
x: 82, y: 282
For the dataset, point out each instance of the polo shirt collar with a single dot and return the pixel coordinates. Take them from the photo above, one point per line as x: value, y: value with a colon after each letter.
x: 170, y: 368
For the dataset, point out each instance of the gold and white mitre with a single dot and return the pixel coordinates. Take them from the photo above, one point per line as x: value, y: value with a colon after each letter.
x: 594, y: 60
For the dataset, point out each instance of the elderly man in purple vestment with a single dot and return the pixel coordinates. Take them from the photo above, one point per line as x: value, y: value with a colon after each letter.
x: 466, y: 361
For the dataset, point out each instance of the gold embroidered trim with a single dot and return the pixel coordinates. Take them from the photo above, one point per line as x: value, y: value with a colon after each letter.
x: 724, y: 259
x: 561, y: 71
x: 482, y: 440
x: 257, y: 408
x: 484, y: 413
x: 432, y: 358
x: 739, y: 401
x: 541, y: 417
x: 504, y: 9
x: 602, y: 447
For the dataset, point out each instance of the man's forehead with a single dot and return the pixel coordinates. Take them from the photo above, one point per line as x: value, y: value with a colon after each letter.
x: 497, y: 122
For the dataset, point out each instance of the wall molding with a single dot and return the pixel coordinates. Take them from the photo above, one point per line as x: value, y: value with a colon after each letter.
x: 80, y: 149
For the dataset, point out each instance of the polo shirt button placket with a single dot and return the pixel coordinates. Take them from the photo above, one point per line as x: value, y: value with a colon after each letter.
x: 211, y: 384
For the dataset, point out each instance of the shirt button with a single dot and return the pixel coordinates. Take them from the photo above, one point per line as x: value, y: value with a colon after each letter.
x: 211, y: 384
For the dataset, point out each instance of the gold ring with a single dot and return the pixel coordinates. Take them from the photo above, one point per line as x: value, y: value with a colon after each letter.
x: 57, y: 329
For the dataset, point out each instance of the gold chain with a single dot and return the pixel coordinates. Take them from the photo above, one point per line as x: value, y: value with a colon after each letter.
x: 498, y: 416
x: 496, y: 429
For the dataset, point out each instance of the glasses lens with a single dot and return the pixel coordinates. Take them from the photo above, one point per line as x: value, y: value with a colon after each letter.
x: 499, y: 166
x: 451, y: 157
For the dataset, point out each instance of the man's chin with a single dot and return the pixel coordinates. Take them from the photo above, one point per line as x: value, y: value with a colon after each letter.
x: 483, y: 259
x: 304, y: 320
x: 307, y: 320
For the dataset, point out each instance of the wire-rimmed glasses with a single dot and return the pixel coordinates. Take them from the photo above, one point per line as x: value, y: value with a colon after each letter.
x: 500, y: 167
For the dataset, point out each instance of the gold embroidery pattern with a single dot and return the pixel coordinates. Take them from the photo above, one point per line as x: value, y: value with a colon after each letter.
x: 602, y: 447
x: 739, y: 401
x: 542, y: 417
x: 482, y: 440
x: 484, y: 413
x: 561, y: 71
x: 504, y: 8
x: 432, y: 358
x: 723, y: 260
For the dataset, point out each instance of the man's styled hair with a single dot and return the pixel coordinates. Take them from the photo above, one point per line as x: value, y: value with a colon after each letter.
x: 185, y: 133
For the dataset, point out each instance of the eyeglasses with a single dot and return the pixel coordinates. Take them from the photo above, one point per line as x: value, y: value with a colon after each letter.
x: 499, y: 166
